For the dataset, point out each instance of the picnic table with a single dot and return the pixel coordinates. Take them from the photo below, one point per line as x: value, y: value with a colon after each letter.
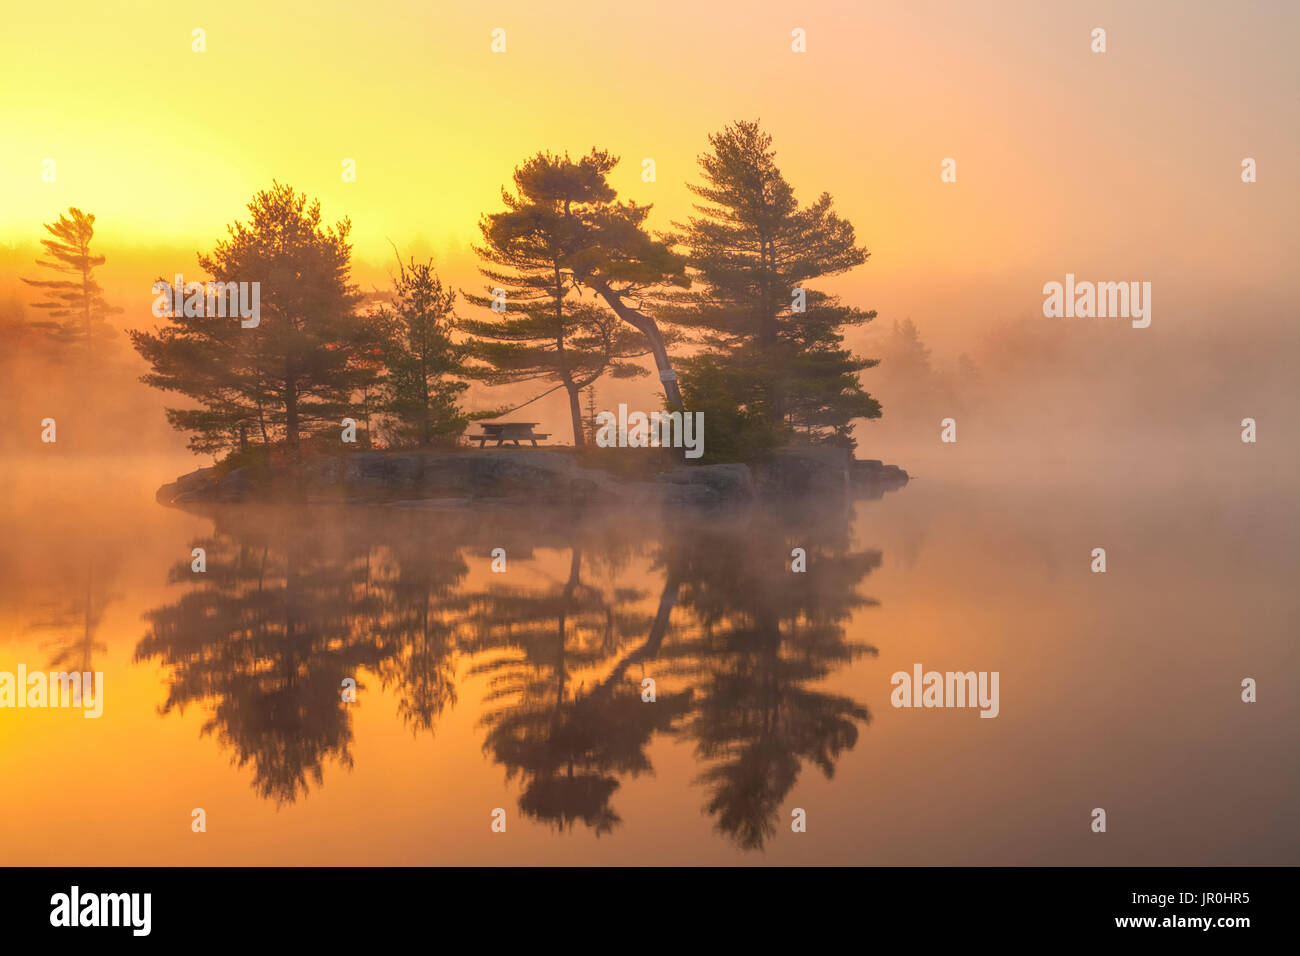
x: 508, y: 431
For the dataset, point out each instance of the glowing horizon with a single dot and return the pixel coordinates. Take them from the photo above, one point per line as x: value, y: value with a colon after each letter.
x: 1067, y: 160
x: 166, y: 146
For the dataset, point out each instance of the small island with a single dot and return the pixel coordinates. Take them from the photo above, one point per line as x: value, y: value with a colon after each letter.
x: 308, y: 389
x: 528, y: 478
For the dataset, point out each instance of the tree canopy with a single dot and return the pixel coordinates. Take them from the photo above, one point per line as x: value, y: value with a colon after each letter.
x: 296, y: 370
x: 542, y: 328
x: 773, y: 354
x: 418, y: 385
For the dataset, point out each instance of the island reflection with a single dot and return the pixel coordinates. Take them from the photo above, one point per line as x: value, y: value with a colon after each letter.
x: 291, y: 604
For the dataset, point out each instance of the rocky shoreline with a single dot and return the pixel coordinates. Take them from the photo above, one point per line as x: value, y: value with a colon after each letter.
x: 535, y: 478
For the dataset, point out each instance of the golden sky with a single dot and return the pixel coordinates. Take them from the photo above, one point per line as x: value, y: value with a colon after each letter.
x: 1121, y: 165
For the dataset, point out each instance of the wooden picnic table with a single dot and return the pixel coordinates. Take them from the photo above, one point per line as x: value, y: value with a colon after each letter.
x: 508, y: 432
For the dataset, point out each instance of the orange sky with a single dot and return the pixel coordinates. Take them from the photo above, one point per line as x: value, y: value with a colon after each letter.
x: 1117, y: 165
x: 1122, y: 165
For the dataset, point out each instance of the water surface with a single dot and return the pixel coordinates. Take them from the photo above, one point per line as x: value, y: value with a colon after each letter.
x: 522, y: 690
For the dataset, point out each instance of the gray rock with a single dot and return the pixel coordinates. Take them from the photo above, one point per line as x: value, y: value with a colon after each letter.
x: 872, y: 478
x: 872, y: 469
x: 530, y: 478
x: 185, y: 484
x: 709, y: 484
x: 805, y: 471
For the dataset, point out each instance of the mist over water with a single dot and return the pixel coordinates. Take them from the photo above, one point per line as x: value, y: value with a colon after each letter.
x: 522, y: 690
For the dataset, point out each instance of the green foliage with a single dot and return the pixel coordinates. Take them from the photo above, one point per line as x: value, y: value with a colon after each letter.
x: 418, y: 394
x: 774, y: 345
x: 543, y: 330
x: 256, y: 459
x: 734, y: 403
x: 297, y: 370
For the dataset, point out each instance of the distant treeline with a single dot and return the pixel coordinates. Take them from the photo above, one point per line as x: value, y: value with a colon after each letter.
x: 62, y: 359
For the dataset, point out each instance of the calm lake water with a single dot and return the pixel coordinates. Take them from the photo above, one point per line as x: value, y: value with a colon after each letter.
x: 522, y: 690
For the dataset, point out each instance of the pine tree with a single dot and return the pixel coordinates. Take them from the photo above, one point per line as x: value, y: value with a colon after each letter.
x: 909, y: 357
x: 772, y: 342
x: 542, y: 328
x: 910, y: 380
x: 296, y: 370
x: 79, y: 302
x: 419, y: 394
x: 610, y: 252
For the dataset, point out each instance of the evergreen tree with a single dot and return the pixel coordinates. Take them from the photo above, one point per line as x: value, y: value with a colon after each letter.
x: 418, y: 391
x: 910, y: 381
x: 908, y: 356
x: 774, y: 344
x: 609, y: 251
x: 542, y: 329
x: 78, y: 302
x: 297, y: 369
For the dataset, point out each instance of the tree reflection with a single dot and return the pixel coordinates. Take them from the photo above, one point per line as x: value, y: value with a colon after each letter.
x: 77, y: 617
x: 264, y: 640
x: 569, y: 744
x: 739, y: 646
x: 761, y: 637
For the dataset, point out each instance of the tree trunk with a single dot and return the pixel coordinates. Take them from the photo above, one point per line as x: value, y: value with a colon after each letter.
x: 561, y: 665
x: 85, y: 296
x: 88, y: 638
x: 426, y: 423
x: 261, y: 420
x: 647, y: 327
x: 575, y: 410
x: 650, y: 649
x: 291, y: 414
